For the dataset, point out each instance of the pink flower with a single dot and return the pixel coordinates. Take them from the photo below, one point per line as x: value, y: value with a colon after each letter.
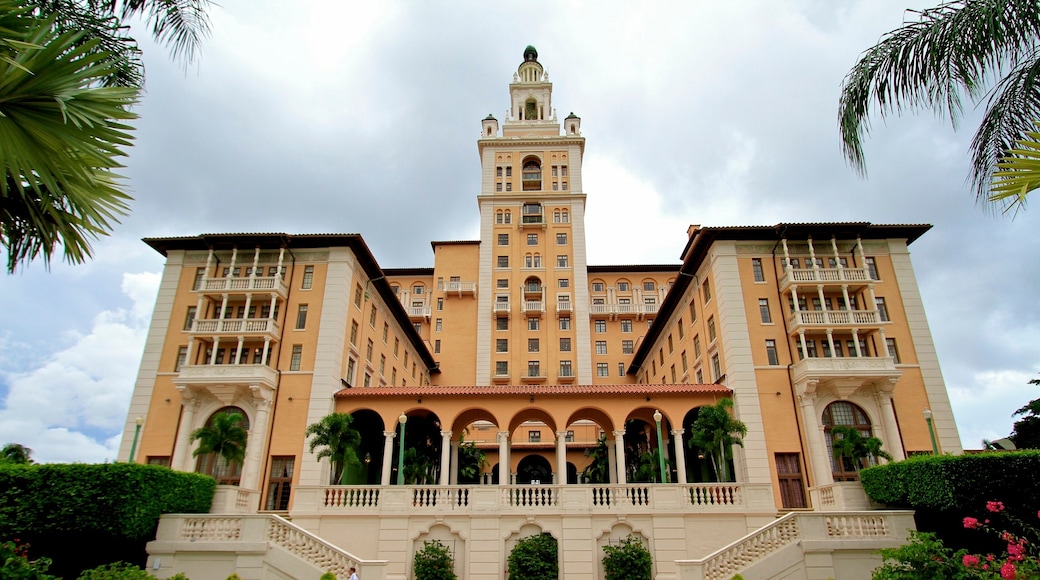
x: 971, y: 523
x: 1007, y: 571
x: 1016, y: 552
x: 1006, y: 536
x: 989, y: 558
x: 970, y: 561
x: 995, y: 506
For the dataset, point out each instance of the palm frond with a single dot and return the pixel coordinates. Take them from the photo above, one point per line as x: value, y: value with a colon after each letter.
x: 1018, y: 173
x: 954, y: 50
x: 180, y: 24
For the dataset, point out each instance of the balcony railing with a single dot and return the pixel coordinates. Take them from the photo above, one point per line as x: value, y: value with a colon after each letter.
x: 461, y: 288
x: 538, y: 376
x: 418, y: 312
x: 235, y: 326
x: 833, y: 318
x: 850, y: 372
x: 229, y: 374
x: 501, y: 308
x: 816, y: 276
x: 533, y: 307
x: 564, y: 308
x: 244, y: 284
x: 541, y: 499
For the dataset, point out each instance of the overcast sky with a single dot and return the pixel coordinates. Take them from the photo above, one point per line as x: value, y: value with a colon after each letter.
x: 343, y: 117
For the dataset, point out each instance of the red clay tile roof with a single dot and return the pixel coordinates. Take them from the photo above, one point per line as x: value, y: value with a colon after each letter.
x: 540, y: 390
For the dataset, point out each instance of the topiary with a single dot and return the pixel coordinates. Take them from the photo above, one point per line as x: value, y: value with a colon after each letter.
x: 535, y: 558
x: 234, y: 576
x: 328, y: 576
x: 629, y: 560
x: 433, y: 562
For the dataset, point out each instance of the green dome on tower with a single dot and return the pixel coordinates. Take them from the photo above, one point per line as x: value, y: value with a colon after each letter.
x: 530, y: 53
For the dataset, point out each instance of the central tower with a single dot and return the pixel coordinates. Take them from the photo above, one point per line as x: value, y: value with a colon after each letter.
x: 533, y: 324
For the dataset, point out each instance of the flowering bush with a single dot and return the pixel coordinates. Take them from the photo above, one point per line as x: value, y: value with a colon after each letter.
x: 926, y: 556
x: 16, y: 565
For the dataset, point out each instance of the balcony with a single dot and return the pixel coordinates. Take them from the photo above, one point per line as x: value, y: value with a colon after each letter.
x: 566, y: 378
x: 856, y: 278
x: 534, y: 376
x: 265, y: 327
x: 599, y: 309
x: 240, y: 285
x: 196, y: 376
x: 460, y: 288
x: 418, y: 312
x: 860, y: 319
x: 846, y: 373
x: 564, y: 308
x: 501, y: 308
x: 532, y: 308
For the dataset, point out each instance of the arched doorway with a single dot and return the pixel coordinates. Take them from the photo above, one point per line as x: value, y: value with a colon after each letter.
x: 845, y: 414
x: 212, y: 464
x: 532, y: 469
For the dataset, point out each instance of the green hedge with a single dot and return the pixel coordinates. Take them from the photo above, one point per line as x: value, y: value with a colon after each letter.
x: 114, y: 499
x: 962, y: 483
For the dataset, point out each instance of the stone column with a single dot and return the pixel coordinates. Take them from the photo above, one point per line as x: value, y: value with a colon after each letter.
x: 611, y: 472
x: 680, y: 455
x: 388, y: 456
x: 619, y: 452
x: 453, y: 479
x: 182, y: 458
x: 503, y: 458
x: 445, y: 457
x: 561, y: 458
x: 255, y: 445
x: 814, y: 435
x: 893, y: 443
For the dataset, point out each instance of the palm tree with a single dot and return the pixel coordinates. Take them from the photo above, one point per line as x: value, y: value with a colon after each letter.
x: 225, y: 437
x: 848, y: 443
x: 598, y: 469
x: 472, y: 461
x: 339, y: 442
x: 16, y: 453
x: 715, y: 431
x: 982, y: 49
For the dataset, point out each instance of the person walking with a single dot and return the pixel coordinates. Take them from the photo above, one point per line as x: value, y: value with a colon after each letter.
x: 353, y: 573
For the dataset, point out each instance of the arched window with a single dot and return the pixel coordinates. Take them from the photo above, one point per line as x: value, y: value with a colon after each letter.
x: 846, y: 414
x: 531, y: 110
x: 213, y: 464
x: 533, y: 285
x: 532, y: 175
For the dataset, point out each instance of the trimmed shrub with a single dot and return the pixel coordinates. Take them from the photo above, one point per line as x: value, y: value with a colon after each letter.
x: 629, y: 560
x: 534, y: 558
x: 116, y: 571
x: 115, y: 499
x: 433, y: 562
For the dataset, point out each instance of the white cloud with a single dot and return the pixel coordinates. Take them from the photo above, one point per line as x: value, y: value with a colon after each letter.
x: 71, y: 405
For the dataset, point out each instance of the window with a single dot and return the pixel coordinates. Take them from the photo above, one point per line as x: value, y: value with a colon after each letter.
x: 623, y: 287
x: 182, y: 357
x: 501, y: 345
x: 872, y: 269
x: 503, y: 239
x: 440, y: 304
x: 602, y: 370
x: 397, y: 344
x: 437, y: 346
x: 534, y: 436
x: 648, y: 286
x: 672, y: 372
x: 357, y: 295
x: 626, y: 325
x: 532, y: 175
x: 601, y: 347
x: 565, y: 323
x: 382, y: 365
x: 756, y: 267
x: 353, y: 332
x: 503, y: 261
x: 671, y: 346
x: 849, y: 415
x: 569, y: 437
x: 200, y: 275
x: 351, y: 367
x: 386, y: 332
x: 882, y: 309
x: 597, y: 286
x: 700, y: 377
x: 308, y: 277
x: 716, y: 367
x: 532, y: 239
x: 621, y: 369
x: 565, y: 368
x: 564, y: 283
x: 368, y: 380
x: 697, y: 346
x: 682, y: 330
x: 706, y: 290
x: 502, y: 283
x: 501, y: 323
x: 565, y: 345
x: 372, y: 316
x: 533, y: 324
x: 393, y: 372
x: 627, y: 347
x: 501, y: 368
x: 789, y: 474
x: 711, y: 329
x: 439, y: 325
x: 893, y: 352
x: 190, y: 317
x: 301, y: 317
x: 509, y: 187
x: 532, y: 345
x: 763, y: 311
x: 685, y: 364
x: 368, y: 351
x: 498, y: 171
x: 693, y: 310
x: 601, y: 326
x: 562, y: 262
x: 297, y: 354
x: 534, y: 369
x: 771, y: 353
x: 532, y: 213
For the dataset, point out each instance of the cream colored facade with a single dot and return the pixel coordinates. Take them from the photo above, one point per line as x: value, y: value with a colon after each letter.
x: 515, y: 344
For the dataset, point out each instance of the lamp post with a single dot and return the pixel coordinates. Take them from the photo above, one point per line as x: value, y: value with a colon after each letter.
x: 660, y: 445
x: 400, y: 455
x: 931, y: 430
x: 137, y: 432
